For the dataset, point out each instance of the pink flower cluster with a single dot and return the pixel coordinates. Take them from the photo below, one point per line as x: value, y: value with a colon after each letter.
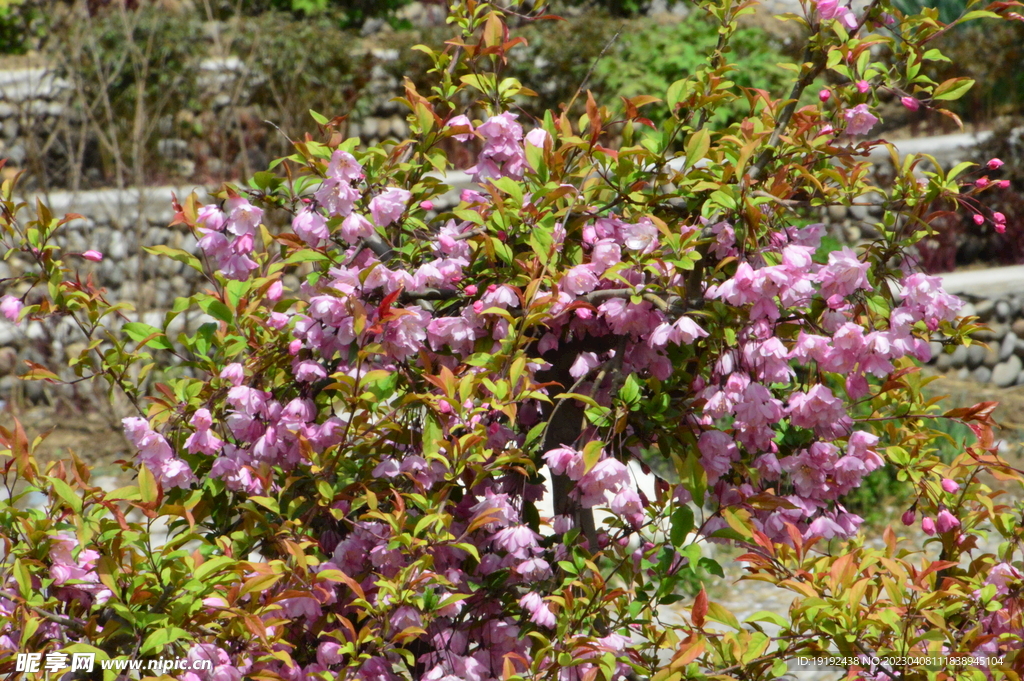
x: 607, y: 482
x: 228, y: 238
x: 156, y: 454
x: 76, y: 575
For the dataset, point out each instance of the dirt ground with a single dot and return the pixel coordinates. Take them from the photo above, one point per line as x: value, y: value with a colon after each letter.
x: 96, y: 438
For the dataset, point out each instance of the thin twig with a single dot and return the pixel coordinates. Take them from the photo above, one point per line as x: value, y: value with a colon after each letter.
x: 586, y: 78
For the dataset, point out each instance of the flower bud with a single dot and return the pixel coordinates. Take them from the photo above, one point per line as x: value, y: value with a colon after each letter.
x: 910, y: 103
x: 427, y: 205
x: 981, y: 182
x: 928, y: 525
x: 1003, y: 184
x: 94, y: 256
x: 979, y: 219
x: 863, y: 86
x: 998, y: 218
x: 824, y: 95
x: 949, y: 485
x: 275, y: 290
x: 994, y: 164
x: 908, y: 517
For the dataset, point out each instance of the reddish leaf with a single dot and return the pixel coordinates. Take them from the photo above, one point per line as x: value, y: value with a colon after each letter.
x: 700, y: 608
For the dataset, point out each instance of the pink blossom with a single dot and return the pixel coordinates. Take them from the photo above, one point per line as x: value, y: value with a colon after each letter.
x: 819, y: 409
x: 11, y: 307
x: 310, y: 226
x: 356, y: 227
x: 538, y: 137
x: 518, y: 540
x: 643, y: 236
x: 828, y: 9
x: 844, y: 274
x: 584, y: 364
x: 243, y: 217
x: 540, y: 612
x: 203, y: 440
x: 565, y: 461
x: 404, y: 617
x: 607, y: 475
x: 534, y: 570
x: 718, y: 452
x: 683, y: 331
x: 859, y: 120
x: 233, y: 373
x: 300, y: 606
x: 497, y: 509
x: 336, y: 196
x: 458, y: 333
x: 211, y: 217
x: 605, y: 254
x: 946, y: 521
x: 863, y: 86
x: 328, y: 653
x: 1003, y: 575
x: 237, y: 267
x: 928, y: 525
x: 461, y: 121
x: 625, y: 317
x: 215, y: 245
x: 94, y: 256
x: 579, y: 280
x: 344, y: 166
x: 404, y: 335
x: 389, y: 206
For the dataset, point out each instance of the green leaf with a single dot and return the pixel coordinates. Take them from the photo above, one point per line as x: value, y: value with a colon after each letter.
x: 149, y: 491
x: 682, y: 523
x: 147, y: 335
x: 161, y: 637
x: 677, y: 92
x: 319, y: 118
x: 592, y: 454
x: 305, y: 255
x: 64, y: 491
x: 697, y: 147
x: 176, y: 254
x: 718, y: 613
x: 267, y: 503
x: 952, y: 89
x: 767, y: 616
x: 630, y: 391
x: 216, y: 309
x: 212, y: 566
x: 510, y: 187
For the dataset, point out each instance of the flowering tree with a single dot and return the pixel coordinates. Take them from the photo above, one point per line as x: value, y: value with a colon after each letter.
x: 422, y: 462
